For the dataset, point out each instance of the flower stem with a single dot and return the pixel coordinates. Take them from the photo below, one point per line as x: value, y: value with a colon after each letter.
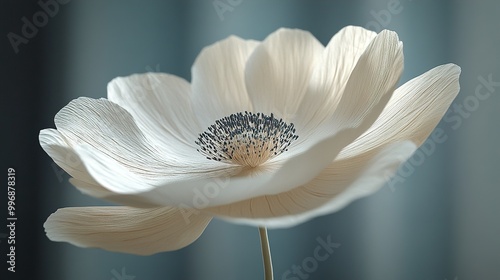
x: 266, y: 254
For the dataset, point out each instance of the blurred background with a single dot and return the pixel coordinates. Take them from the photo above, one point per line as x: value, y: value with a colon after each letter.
x: 439, y: 221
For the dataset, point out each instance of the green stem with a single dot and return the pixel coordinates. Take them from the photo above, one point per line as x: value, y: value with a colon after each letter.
x: 266, y: 254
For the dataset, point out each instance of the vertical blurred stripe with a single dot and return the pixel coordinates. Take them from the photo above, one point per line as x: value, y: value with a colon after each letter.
x: 405, y: 221
x: 476, y: 160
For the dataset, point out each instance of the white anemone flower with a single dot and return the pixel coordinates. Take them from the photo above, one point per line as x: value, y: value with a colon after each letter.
x: 267, y: 134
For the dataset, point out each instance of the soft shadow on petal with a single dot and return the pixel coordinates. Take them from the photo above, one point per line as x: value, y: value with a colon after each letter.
x: 98, y: 191
x: 127, y: 230
x: 218, y: 82
x: 160, y: 105
x: 55, y: 145
x: 92, y: 188
x: 413, y: 111
x: 331, y: 75
x: 335, y: 187
x: 278, y: 72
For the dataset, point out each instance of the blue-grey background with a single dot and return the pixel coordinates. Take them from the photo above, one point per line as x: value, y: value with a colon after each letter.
x: 440, y: 223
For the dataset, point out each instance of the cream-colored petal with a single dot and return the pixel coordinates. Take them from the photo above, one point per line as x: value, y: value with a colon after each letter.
x: 161, y: 107
x: 413, y: 111
x: 218, y: 80
x: 375, y: 76
x: 331, y: 75
x: 335, y: 187
x: 277, y: 73
x: 341, y: 56
x: 110, y: 129
x: 127, y: 230
x: 55, y: 145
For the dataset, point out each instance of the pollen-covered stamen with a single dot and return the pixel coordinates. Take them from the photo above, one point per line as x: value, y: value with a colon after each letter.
x: 247, y: 139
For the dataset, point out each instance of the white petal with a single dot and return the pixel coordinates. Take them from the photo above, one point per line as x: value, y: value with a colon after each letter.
x: 54, y: 144
x: 331, y: 75
x: 110, y: 129
x: 278, y: 72
x: 374, y: 77
x: 127, y: 230
x: 341, y: 56
x: 413, y: 111
x: 218, y: 80
x: 161, y: 107
x: 338, y: 185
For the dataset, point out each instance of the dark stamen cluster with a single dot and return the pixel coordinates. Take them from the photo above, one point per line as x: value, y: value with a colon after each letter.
x: 246, y: 139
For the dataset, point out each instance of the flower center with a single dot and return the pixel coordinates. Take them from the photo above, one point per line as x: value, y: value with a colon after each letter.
x: 246, y: 139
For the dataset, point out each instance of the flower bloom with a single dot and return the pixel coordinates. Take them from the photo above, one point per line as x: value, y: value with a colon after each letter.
x: 268, y: 134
